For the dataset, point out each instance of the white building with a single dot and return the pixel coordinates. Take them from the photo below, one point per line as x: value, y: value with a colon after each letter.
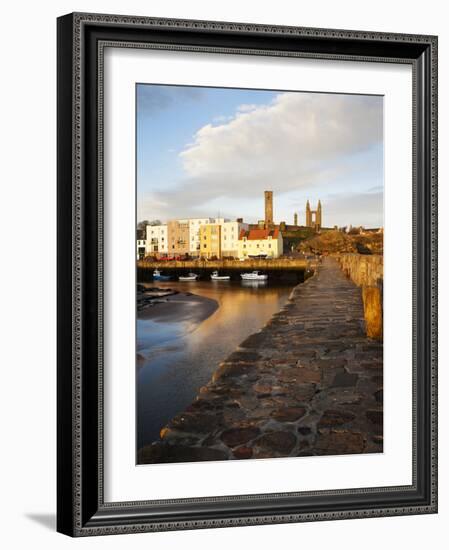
x: 157, y: 239
x: 157, y: 236
x: 194, y: 233
x: 141, y: 243
x: 260, y: 242
x: 230, y: 232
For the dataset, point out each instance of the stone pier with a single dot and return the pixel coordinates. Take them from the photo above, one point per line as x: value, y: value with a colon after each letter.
x: 309, y: 383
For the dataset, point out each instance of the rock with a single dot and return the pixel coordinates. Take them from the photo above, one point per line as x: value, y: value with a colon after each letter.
x: 379, y: 396
x: 375, y: 416
x: 178, y: 438
x: 201, y: 423
x: 232, y: 370
x: 300, y: 375
x: 288, y: 414
x: 242, y: 452
x: 281, y: 442
x: 247, y: 402
x: 233, y: 416
x: 336, y: 442
x: 345, y: 380
x: 257, y: 340
x: 304, y: 430
x: 260, y: 413
x: 244, y: 357
x: 335, y: 418
x: 237, y: 436
x: 372, y: 364
x: 202, y: 405
x: 262, y: 389
x: 303, y: 392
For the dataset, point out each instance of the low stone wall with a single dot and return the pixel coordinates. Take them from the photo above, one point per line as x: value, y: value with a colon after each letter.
x: 366, y: 271
x: 363, y: 269
x: 275, y: 264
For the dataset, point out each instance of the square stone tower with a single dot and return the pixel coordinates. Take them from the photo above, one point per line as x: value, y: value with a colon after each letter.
x: 268, y: 209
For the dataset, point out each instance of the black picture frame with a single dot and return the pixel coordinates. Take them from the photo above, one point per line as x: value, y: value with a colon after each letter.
x: 81, y: 510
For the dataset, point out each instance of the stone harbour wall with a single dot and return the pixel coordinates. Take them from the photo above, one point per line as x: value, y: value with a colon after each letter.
x: 366, y: 271
x: 363, y: 269
x: 309, y: 383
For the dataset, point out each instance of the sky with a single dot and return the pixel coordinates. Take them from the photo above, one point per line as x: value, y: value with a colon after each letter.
x: 209, y: 152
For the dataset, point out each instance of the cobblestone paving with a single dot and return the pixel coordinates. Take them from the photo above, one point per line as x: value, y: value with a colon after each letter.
x: 309, y: 383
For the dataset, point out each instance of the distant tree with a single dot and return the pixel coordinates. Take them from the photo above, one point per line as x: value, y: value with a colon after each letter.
x: 142, y: 225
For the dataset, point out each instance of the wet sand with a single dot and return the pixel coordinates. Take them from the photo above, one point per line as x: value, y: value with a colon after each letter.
x: 179, y: 307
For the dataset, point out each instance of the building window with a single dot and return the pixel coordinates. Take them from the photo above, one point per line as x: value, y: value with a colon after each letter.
x: 205, y: 246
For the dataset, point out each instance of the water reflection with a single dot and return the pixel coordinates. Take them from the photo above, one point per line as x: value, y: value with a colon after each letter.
x: 177, y: 354
x: 254, y: 283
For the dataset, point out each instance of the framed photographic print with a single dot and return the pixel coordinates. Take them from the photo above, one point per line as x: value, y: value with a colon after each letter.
x: 247, y: 282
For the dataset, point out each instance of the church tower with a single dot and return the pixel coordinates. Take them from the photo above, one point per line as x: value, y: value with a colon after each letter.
x: 268, y: 209
x: 308, y: 215
x: 314, y: 217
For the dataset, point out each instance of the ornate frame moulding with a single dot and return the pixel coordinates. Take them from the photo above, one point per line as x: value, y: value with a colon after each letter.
x: 82, y: 38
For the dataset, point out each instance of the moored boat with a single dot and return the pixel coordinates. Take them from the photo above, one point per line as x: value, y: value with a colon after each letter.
x: 254, y: 276
x: 157, y: 276
x: 189, y: 277
x: 216, y: 277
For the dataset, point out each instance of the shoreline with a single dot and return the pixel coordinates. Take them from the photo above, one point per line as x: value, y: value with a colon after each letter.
x: 178, y: 307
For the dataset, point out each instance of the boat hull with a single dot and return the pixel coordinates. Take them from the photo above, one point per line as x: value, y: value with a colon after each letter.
x: 254, y: 278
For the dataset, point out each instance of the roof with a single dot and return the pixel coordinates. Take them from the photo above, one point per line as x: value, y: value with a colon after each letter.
x: 259, y: 234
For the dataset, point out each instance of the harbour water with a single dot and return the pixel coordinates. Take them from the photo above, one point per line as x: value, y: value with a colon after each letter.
x: 181, y: 342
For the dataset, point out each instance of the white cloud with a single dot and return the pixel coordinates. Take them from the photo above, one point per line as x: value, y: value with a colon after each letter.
x: 287, y: 143
x: 299, y: 142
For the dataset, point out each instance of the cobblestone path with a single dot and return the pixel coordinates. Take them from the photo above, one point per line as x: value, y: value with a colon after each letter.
x: 309, y: 383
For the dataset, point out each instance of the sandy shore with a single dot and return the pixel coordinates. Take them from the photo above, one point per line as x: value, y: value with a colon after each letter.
x: 178, y: 307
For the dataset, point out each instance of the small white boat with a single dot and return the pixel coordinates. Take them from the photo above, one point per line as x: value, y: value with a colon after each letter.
x: 189, y: 277
x: 216, y: 277
x: 254, y: 276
